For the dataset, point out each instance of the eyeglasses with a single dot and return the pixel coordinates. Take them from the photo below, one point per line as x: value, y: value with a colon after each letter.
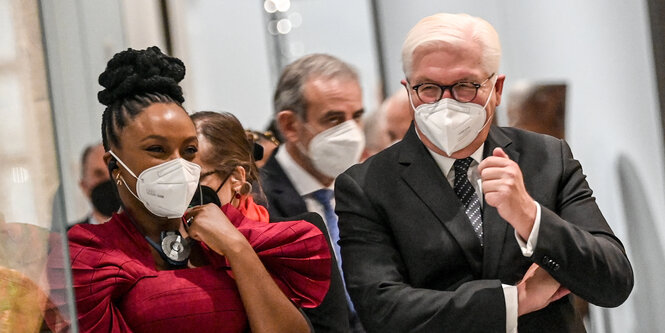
x: 462, y: 91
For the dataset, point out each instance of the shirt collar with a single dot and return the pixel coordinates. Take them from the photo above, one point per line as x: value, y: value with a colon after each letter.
x: 446, y: 163
x: 302, y: 181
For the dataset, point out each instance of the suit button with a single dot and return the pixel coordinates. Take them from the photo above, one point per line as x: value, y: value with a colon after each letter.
x: 549, y: 263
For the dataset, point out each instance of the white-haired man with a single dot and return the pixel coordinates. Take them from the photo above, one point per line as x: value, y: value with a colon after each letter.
x: 423, y: 252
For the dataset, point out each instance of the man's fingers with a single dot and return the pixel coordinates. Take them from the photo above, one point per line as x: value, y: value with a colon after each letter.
x: 493, y: 161
x: 498, y: 152
x: 494, y: 185
x: 561, y: 292
x: 492, y: 173
x: 532, y: 269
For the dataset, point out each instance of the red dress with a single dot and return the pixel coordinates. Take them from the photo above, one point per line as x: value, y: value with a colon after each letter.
x: 118, y: 288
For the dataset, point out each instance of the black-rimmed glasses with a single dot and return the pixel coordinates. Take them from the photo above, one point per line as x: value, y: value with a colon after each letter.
x: 462, y: 91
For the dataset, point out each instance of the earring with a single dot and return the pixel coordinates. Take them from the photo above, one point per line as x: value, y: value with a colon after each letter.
x: 246, y: 188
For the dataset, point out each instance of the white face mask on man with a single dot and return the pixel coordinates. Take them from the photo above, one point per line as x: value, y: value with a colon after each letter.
x: 336, y: 149
x: 451, y: 125
x: 165, y: 189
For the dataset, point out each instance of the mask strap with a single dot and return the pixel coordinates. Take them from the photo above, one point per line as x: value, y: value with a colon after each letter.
x: 224, y: 182
x: 490, y: 96
x: 408, y: 93
x: 123, y: 178
x: 484, y: 106
x: 122, y: 163
x: 130, y: 191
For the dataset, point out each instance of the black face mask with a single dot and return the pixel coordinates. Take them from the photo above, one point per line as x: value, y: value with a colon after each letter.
x: 105, y: 198
x: 204, y: 195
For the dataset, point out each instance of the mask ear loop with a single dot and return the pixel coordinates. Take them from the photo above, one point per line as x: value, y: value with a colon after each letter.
x: 487, y: 121
x: 299, y: 145
x: 408, y: 93
x: 122, y: 163
x: 222, y: 184
x: 121, y: 177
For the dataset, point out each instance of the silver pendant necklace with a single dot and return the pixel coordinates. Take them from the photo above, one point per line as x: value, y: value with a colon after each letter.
x: 174, y: 249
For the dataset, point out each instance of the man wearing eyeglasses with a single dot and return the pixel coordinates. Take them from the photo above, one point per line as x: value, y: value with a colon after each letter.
x: 467, y: 227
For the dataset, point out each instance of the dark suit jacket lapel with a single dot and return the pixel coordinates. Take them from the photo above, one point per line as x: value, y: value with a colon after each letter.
x: 495, y: 228
x: 425, y: 178
x: 283, y: 198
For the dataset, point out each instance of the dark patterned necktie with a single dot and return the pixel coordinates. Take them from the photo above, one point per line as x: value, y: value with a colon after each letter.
x: 467, y: 196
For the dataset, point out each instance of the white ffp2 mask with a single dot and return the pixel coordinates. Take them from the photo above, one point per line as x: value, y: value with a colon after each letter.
x: 337, y: 148
x: 450, y: 125
x: 167, y: 188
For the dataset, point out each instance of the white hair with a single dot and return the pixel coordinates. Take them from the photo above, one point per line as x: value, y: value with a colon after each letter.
x: 450, y: 30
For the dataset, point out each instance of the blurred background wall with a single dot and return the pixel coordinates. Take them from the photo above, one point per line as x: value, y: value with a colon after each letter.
x: 234, y: 50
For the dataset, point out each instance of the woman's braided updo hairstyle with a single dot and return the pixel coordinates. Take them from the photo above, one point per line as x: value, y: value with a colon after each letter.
x: 132, y: 81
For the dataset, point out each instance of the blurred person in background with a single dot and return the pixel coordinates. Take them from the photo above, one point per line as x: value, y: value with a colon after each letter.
x: 268, y: 142
x: 318, y: 108
x: 97, y: 186
x: 388, y: 123
x: 376, y: 134
x: 398, y: 114
x: 539, y: 108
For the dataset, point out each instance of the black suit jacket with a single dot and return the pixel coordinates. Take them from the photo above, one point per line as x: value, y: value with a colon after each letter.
x: 412, y: 262
x: 284, y: 201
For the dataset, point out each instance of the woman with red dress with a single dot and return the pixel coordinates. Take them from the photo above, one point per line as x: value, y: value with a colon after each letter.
x: 159, y: 265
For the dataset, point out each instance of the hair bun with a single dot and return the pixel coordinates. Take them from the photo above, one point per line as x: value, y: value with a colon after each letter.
x: 133, y: 72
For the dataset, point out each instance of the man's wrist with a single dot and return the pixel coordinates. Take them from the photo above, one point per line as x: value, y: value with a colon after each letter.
x: 528, y: 219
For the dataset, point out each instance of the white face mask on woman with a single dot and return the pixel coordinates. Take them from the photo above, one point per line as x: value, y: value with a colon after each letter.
x: 337, y: 148
x: 167, y: 188
x: 450, y: 125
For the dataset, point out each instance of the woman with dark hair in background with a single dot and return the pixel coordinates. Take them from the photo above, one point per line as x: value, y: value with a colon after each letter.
x: 149, y: 269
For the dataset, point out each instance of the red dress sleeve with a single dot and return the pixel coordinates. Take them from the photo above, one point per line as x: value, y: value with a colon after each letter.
x: 101, y: 273
x: 295, y: 253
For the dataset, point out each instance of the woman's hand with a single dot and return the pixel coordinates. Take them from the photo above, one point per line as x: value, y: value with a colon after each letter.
x: 268, y: 309
x: 209, y: 225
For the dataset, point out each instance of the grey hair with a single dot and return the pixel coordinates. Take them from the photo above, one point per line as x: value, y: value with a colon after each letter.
x: 449, y: 30
x: 290, y: 92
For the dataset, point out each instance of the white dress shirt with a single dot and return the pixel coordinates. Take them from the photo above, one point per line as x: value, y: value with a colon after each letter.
x: 304, y: 183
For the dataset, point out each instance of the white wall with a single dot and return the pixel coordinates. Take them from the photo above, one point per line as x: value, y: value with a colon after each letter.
x: 398, y: 17
x: 603, y: 52
x: 344, y: 29
x: 225, y: 50
x: 81, y: 36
